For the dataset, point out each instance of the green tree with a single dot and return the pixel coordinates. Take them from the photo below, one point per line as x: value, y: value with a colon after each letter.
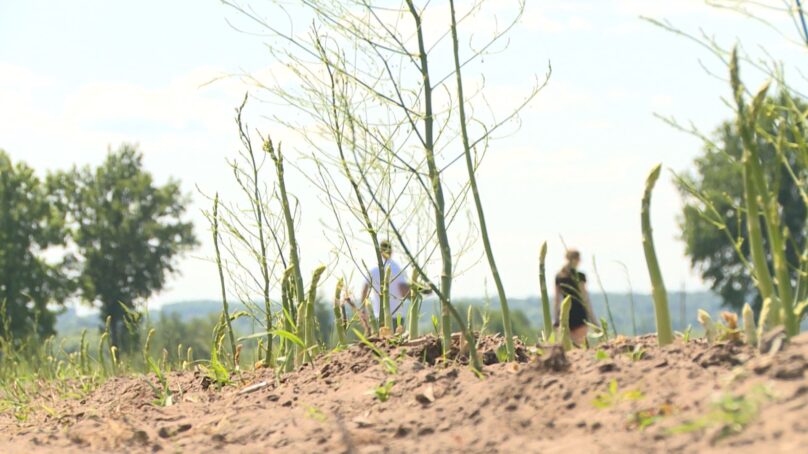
x: 127, y: 231
x: 717, y: 176
x: 29, y: 227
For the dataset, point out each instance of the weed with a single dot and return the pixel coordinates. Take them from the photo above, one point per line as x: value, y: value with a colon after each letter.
x: 502, y: 354
x: 382, y: 392
x: 729, y: 413
x: 163, y: 397
x: 613, y: 396
x: 601, y: 355
x: 216, y: 371
x: 387, y: 363
x: 637, y: 353
x: 648, y: 417
x: 316, y: 414
x: 687, y: 334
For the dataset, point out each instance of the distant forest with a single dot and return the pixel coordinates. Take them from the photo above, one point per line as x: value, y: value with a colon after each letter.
x: 525, y: 310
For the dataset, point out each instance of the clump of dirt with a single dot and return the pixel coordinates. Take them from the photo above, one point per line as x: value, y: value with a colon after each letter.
x: 626, y: 395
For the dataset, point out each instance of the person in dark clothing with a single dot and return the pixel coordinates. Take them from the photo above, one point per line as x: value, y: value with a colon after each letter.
x: 571, y: 282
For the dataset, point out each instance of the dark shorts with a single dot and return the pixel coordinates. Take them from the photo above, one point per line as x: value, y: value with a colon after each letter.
x: 578, y: 316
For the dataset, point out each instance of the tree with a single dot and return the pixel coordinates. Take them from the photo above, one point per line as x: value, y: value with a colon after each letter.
x: 127, y: 232
x: 719, y: 253
x: 28, y: 228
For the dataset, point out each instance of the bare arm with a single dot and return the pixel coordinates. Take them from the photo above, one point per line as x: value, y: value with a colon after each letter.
x: 404, y: 289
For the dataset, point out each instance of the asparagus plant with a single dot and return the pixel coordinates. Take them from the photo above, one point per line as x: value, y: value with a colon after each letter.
x: 545, y: 298
x: 339, y: 316
x: 749, y: 325
x: 708, y: 325
x: 564, y: 324
x: 660, y: 295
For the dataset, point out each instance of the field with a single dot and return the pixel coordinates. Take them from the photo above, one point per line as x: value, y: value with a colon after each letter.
x: 340, y: 230
x: 626, y: 396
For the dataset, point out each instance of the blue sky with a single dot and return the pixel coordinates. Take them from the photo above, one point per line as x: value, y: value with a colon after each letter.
x: 77, y: 77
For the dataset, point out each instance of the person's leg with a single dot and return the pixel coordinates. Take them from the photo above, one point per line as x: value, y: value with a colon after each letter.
x: 578, y: 334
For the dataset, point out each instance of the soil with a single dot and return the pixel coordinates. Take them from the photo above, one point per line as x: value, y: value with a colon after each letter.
x: 630, y: 397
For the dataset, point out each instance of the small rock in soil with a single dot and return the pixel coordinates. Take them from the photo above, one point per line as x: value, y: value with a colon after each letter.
x: 426, y: 396
x: 607, y: 366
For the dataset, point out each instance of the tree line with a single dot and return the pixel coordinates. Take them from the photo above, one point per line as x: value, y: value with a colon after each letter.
x: 108, y: 236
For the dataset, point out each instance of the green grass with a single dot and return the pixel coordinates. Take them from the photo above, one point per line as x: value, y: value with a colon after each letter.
x: 729, y: 413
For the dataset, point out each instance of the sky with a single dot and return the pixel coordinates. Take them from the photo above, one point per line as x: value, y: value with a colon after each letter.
x: 80, y: 77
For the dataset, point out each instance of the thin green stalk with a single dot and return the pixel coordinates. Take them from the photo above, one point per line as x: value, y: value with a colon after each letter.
x: 277, y: 158
x: 749, y: 325
x: 258, y: 212
x: 746, y: 129
x: 764, y: 318
x: 385, y: 314
x: 437, y: 188
x: 605, y: 297
x: 219, y: 266
x: 414, y: 314
x: 310, y: 336
x: 564, y: 324
x: 288, y: 349
x: 104, y: 338
x: 340, y: 103
x: 84, y: 365
x: 630, y: 299
x: 774, y: 228
x: 661, y: 311
x: 339, y: 317
x: 489, y: 253
x: 545, y: 298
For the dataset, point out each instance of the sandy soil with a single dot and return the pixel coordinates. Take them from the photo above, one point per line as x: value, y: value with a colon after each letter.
x: 687, y: 397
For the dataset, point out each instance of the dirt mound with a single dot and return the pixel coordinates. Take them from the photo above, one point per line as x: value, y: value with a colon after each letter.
x: 626, y: 396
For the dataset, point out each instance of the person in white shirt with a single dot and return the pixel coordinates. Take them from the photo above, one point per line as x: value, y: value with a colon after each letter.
x: 399, y: 287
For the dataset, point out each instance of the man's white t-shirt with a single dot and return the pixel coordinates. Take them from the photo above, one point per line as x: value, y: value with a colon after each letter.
x: 397, y: 295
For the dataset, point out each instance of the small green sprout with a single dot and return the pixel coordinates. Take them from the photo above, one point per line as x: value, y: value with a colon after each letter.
x: 637, y: 353
x: 162, y: 394
x: 731, y: 413
x: 387, y: 363
x: 648, y: 417
x: 315, y: 414
x: 502, y: 354
x: 687, y: 334
x: 382, y: 392
x: 613, y: 396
